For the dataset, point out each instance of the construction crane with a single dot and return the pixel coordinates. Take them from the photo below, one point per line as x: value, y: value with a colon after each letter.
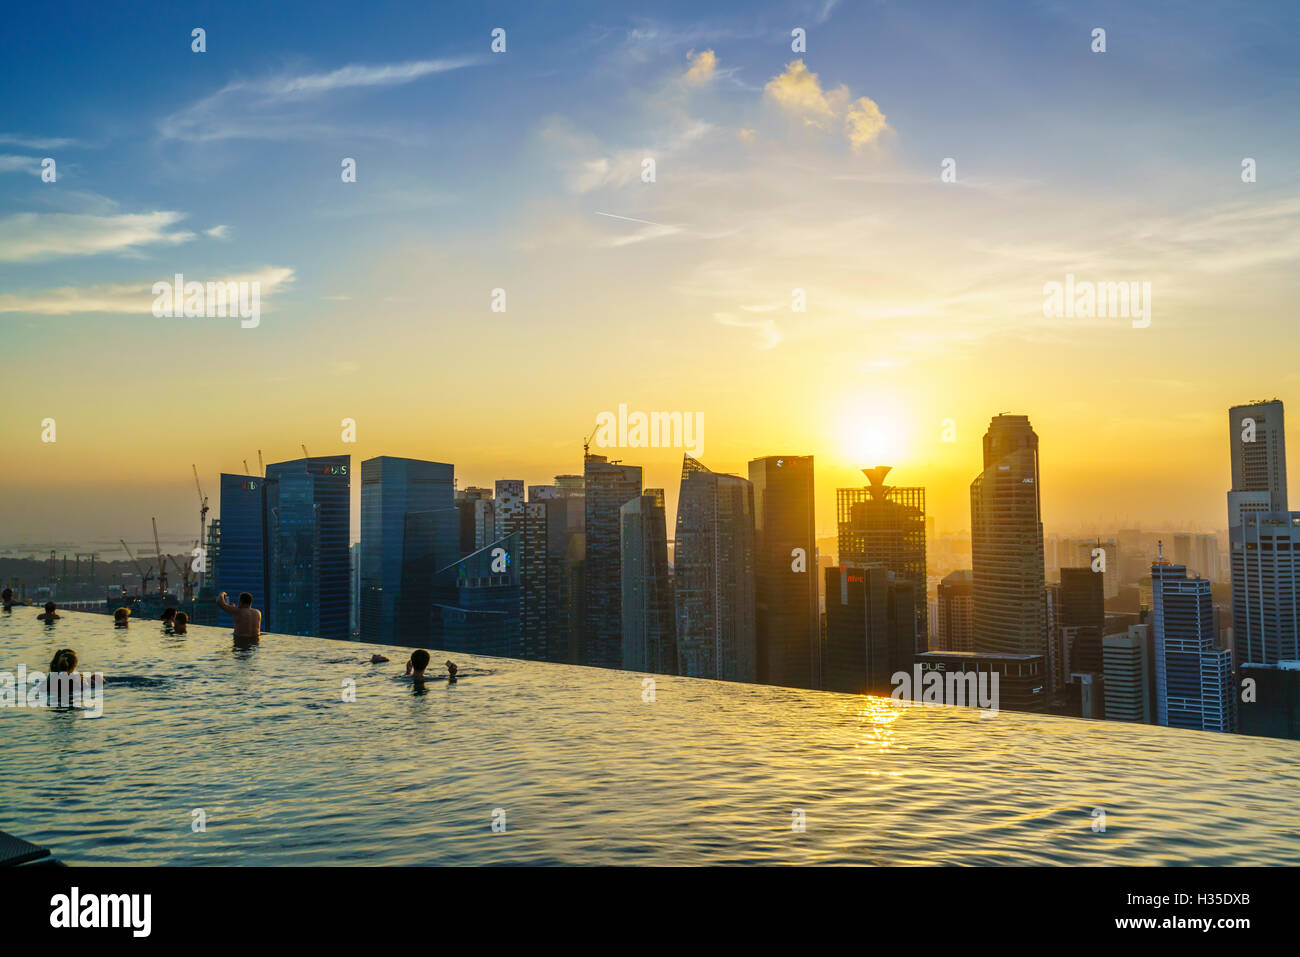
x: 305, y: 453
x: 184, y: 569
x: 203, y: 516
x: 162, y: 565
x: 261, y: 469
x: 586, y: 443
x: 146, y: 575
x: 246, y: 472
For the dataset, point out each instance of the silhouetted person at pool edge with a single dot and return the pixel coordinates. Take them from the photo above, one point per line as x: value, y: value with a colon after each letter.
x: 168, y: 615
x: 50, y: 613
x: 248, y: 620
x: 122, y: 617
x: 179, y: 623
x: 7, y: 596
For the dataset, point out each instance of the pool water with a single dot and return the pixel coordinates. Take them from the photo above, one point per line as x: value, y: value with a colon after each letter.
x: 530, y: 763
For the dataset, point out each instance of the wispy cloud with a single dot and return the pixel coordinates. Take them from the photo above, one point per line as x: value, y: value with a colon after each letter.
x: 768, y: 334
x: 34, y: 142
x: 281, y: 107
x: 30, y: 237
x: 128, y: 298
x: 19, y: 164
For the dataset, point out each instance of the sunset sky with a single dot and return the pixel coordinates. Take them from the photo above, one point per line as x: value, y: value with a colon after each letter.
x: 775, y: 170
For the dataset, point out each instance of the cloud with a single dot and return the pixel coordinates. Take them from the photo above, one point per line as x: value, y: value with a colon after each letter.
x: 864, y: 122
x: 27, y: 237
x: 272, y: 108
x: 584, y: 172
x: 128, y: 298
x: 702, y: 67
x: 798, y: 94
x: 34, y: 142
x: 19, y: 164
x: 218, y: 232
x: 652, y: 230
x: 769, y: 335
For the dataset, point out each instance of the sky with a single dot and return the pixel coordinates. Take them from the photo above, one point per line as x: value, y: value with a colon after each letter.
x: 782, y: 177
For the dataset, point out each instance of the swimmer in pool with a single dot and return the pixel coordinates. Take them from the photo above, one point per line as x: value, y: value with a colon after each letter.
x: 451, y: 671
x: 248, y: 620
x: 7, y: 597
x: 167, y: 616
x: 416, y: 664
x: 179, y: 623
x: 51, y: 613
x: 122, y: 617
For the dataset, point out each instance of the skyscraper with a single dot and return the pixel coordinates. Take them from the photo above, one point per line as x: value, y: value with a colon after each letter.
x: 242, y: 564
x: 309, y: 511
x: 1263, y: 537
x: 956, y: 612
x: 885, y: 524
x: 608, y: 486
x: 477, y: 518
x: 786, y: 599
x: 1266, y: 588
x: 1193, y: 675
x: 714, y: 575
x: 870, y: 628
x: 1007, y: 542
x: 1128, y: 675
x: 1257, y: 439
x: 1081, y: 617
x: 508, y: 506
x: 482, y: 613
x: 409, y: 531
x: 649, y: 632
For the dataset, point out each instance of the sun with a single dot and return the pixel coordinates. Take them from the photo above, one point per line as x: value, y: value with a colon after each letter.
x: 875, y: 437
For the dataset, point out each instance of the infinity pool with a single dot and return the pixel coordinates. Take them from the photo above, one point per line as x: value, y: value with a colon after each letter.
x: 581, y: 770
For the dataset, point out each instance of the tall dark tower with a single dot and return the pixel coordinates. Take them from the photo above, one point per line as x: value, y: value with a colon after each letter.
x: 786, y: 586
x: 609, y: 486
x: 885, y: 524
x: 1007, y: 542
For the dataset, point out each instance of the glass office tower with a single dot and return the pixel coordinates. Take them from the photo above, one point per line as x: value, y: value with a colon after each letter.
x: 409, y: 531
x: 309, y: 511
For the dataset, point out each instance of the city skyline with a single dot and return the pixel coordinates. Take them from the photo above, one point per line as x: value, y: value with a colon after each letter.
x: 817, y: 170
